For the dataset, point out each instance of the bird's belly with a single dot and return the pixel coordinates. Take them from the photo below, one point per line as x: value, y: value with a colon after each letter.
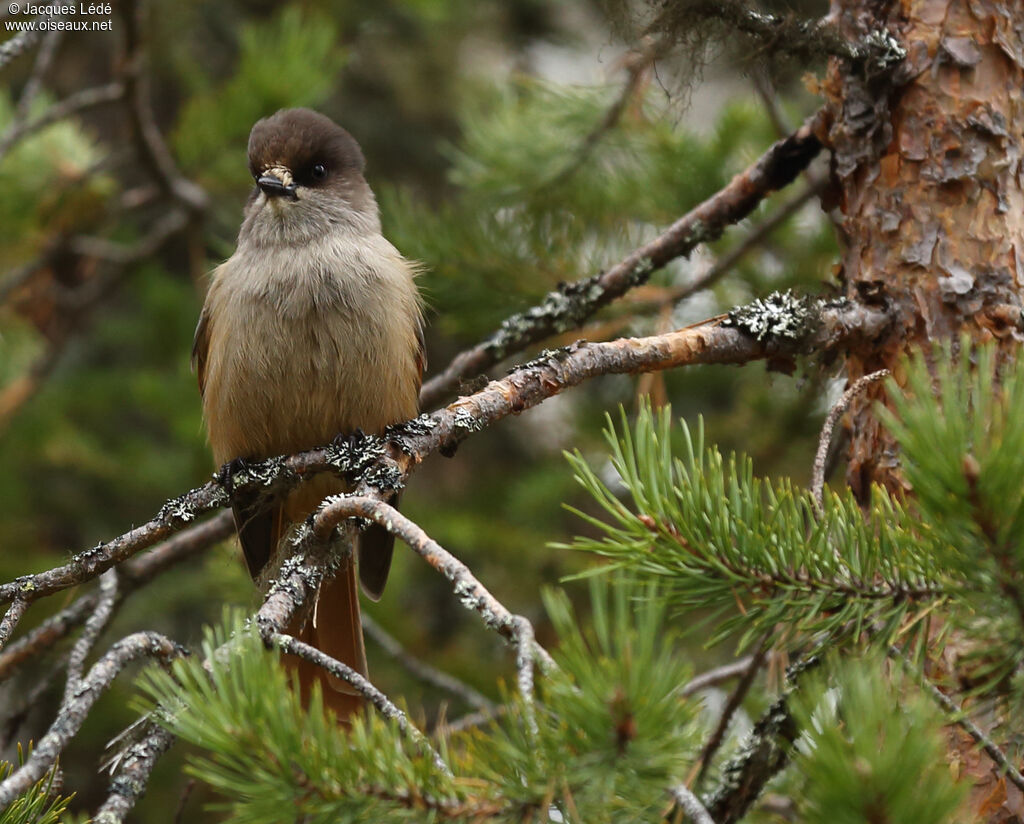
x: 288, y: 382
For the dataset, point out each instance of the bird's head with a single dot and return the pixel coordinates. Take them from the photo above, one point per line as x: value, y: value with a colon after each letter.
x: 309, y: 180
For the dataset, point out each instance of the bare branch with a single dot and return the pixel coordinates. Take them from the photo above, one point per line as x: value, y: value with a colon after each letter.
x: 384, y: 705
x: 825, y: 440
x: 73, y: 713
x: 753, y: 239
x: 714, y: 677
x: 18, y: 45
x: 420, y: 669
x: 96, y: 623
x: 735, y: 699
x: 762, y: 756
x: 44, y: 60
x: 570, y: 305
x: 152, y: 148
x: 471, y: 593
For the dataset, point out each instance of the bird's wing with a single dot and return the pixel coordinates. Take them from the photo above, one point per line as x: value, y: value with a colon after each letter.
x: 200, y: 346
x: 376, y: 544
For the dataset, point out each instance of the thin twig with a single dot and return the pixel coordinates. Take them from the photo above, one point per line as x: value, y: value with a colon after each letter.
x: 471, y: 593
x: 825, y: 440
x: 714, y: 677
x: 44, y: 59
x: 757, y: 236
x: 472, y: 719
x: 152, y: 149
x: 73, y: 713
x: 690, y: 804
x: 637, y: 64
x: 959, y: 717
x: 422, y: 670
x: 384, y: 705
x: 18, y: 45
x: 763, y: 754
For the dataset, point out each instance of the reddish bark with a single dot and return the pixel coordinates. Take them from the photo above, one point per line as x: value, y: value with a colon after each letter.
x: 928, y: 180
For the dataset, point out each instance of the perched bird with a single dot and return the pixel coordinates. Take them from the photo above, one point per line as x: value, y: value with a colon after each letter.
x: 310, y: 330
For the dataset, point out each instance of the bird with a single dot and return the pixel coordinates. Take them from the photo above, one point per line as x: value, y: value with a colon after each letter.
x: 312, y: 330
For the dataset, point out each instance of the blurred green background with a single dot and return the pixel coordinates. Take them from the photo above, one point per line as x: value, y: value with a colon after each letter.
x: 473, y: 115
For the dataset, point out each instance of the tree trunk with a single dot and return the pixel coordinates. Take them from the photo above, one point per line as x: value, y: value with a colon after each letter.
x: 928, y: 177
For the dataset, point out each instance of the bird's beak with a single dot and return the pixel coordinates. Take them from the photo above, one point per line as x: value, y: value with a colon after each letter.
x: 277, y: 182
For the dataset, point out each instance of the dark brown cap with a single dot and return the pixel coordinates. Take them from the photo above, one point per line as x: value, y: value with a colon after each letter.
x: 300, y: 140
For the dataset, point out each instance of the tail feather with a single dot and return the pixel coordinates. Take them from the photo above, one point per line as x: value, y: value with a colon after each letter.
x: 343, y: 704
x: 337, y: 628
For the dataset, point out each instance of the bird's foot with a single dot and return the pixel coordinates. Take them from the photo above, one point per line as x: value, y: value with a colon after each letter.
x: 349, y: 440
x: 227, y: 474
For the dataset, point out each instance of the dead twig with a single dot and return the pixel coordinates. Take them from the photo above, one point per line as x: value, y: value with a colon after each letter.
x: 825, y: 440
x: 131, y: 776
x: 690, y: 805
x: 714, y: 742
x: 959, y: 717
x: 10, y: 620
x: 470, y: 592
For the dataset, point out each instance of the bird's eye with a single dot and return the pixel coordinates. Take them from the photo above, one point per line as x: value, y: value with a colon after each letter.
x: 319, y: 171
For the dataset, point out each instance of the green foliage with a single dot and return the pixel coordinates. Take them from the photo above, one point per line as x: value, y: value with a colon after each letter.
x: 872, y: 751
x: 290, y: 60
x: 49, y: 184
x: 754, y: 553
x: 40, y: 805
x: 261, y: 749
x: 967, y: 494
x: 614, y: 732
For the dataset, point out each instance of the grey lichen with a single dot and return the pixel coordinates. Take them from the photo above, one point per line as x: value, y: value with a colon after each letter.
x: 548, y: 356
x: 782, y: 316
x: 466, y: 422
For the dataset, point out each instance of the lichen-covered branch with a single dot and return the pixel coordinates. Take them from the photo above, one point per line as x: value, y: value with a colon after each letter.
x: 778, y: 327
x: 571, y: 304
x: 764, y: 753
x: 73, y: 712
x: 470, y: 592
x: 134, y: 574
x: 131, y: 775
x: 95, y: 624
